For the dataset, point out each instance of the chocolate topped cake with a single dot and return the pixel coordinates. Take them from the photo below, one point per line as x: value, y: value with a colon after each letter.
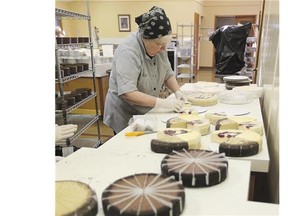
x: 77, y: 95
x: 88, y: 90
x: 85, y: 66
x: 66, y: 70
x: 144, y: 195
x: 70, y: 100
x: 196, y: 168
x: 72, y: 68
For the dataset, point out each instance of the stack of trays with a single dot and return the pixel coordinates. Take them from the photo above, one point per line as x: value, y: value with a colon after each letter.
x: 233, y: 81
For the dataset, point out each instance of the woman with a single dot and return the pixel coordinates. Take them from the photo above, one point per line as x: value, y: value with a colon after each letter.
x: 140, y: 68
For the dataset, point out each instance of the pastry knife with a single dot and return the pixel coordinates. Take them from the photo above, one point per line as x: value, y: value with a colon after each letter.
x: 138, y: 133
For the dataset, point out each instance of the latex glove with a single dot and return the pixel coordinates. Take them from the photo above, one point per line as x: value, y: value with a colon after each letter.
x: 172, y: 104
x: 181, y: 96
x: 64, y: 131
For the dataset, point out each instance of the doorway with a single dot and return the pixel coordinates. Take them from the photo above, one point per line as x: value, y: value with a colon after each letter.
x: 234, y: 20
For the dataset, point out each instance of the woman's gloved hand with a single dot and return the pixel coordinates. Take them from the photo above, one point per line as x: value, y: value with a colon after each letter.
x: 181, y: 96
x: 171, y: 104
x: 64, y: 131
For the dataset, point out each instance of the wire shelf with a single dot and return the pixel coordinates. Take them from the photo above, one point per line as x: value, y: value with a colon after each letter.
x: 80, y: 103
x: 74, y: 76
x: 65, y: 14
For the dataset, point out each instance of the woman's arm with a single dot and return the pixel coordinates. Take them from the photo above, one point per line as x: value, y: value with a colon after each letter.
x: 143, y: 99
x: 139, y: 98
x: 172, y: 84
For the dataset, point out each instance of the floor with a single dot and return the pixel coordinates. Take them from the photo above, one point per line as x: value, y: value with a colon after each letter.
x: 89, y: 138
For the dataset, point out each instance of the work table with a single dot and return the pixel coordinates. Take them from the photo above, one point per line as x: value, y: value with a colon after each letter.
x: 101, y: 167
x: 259, y: 162
x: 122, y: 156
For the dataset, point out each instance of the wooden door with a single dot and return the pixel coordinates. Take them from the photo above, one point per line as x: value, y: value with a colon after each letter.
x: 196, y: 43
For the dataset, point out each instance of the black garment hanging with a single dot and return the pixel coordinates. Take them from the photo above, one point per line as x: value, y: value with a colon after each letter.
x: 229, y: 42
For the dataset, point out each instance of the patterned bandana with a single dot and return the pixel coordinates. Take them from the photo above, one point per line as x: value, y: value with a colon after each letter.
x: 154, y: 24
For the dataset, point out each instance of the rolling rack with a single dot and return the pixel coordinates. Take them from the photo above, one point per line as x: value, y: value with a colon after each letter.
x: 64, y: 116
x: 185, y: 52
x: 250, y: 55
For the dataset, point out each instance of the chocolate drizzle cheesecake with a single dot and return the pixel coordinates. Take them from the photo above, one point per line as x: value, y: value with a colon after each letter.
x: 144, y: 194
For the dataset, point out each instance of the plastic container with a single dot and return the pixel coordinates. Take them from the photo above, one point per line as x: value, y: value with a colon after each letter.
x: 251, y: 91
x: 233, y: 97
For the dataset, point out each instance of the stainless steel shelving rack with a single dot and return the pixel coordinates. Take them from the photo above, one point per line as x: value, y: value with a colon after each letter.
x: 185, y: 52
x: 92, y: 119
x: 250, y: 57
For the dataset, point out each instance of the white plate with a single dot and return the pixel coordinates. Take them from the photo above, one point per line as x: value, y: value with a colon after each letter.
x: 232, y: 112
x: 198, y: 109
x: 236, y: 78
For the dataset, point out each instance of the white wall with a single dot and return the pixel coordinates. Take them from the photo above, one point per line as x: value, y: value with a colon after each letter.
x: 268, y: 77
x: 104, y: 14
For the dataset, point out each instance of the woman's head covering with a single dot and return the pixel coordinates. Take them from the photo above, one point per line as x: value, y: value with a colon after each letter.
x: 154, y: 24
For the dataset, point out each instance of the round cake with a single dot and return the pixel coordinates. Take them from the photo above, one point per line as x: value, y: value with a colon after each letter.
x: 237, y: 143
x: 243, y: 149
x: 175, y: 139
x: 203, y: 99
x: 196, y: 168
x: 88, y: 90
x: 77, y: 95
x: 75, y: 198
x: 70, y: 100
x: 144, y: 194
x: 231, y: 84
x: 221, y: 136
x: 209, y: 87
x: 190, y: 121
